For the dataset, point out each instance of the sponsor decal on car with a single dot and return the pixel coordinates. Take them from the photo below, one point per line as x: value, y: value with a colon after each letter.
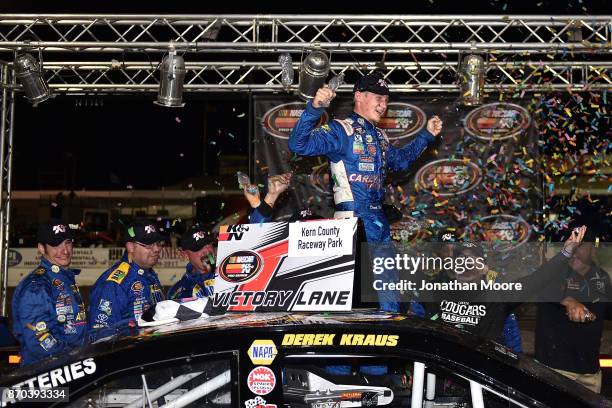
x: 497, y: 121
x: 330, y: 339
x: 262, y: 352
x: 258, y: 402
x: 261, y: 380
x: 61, y: 375
x: 280, y: 120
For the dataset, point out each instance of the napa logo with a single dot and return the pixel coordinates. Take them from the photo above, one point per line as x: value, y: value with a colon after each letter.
x: 280, y: 120
x: 497, y: 121
x: 447, y: 178
x: 262, y: 352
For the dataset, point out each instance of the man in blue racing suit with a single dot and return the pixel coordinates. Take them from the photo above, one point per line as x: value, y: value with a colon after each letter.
x: 197, y: 245
x: 359, y: 155
x: 130, y: 287
x: 48, y: 311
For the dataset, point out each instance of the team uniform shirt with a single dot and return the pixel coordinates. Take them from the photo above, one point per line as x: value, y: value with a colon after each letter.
x: 486, y: 312
x: 572, y: 346
x: 193, y: 284
x: 120, y: 296
x: 261, y: 214
x: 48, y: 312
x: 360, y: 156
x: 466, y: 315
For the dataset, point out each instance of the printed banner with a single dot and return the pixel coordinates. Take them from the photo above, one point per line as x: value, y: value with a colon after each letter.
x: 256, y: 273
x: 321, y: 238
x: 92, y: 262
x: 479, y: 177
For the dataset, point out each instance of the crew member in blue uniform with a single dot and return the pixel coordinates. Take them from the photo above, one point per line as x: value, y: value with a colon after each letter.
x: 130, y: 287
x: 261, y: 210
x: 197, y: 245
x: 48, y: 311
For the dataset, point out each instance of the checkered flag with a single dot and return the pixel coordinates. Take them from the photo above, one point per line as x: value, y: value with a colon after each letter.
x: 255, y: 402
x: 169, y: 311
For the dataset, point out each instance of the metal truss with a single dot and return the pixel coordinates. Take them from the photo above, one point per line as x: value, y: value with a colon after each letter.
x: 120, y: 53
x: 273, y: 33
x: 6, y: 163
x: 87, y: 77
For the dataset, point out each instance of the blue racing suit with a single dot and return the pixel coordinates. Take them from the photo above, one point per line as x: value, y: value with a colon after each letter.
x: 48, y: 312
x: 263, y: 213
x: 193, y: 284
x: 512, y: 334
x: 120, y: 296
x: 359, y: 155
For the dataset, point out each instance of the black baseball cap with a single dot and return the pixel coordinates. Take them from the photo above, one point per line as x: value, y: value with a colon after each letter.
x: 53, y: 232
x: 373, y: 82
x: 447, y: 235
x: 305, y: 214
x: 196, y: 238
x: 143, y: 231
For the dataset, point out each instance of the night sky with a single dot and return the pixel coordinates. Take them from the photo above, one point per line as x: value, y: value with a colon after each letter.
x: 114, y: 142
x: 311, y: 7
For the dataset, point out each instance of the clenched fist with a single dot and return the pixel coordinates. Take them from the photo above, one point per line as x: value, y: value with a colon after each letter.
x: 276, y: 186
x: 434, y: 125
x: 323, y: 97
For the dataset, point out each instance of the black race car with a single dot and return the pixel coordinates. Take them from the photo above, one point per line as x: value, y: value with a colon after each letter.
x: 273, y: 360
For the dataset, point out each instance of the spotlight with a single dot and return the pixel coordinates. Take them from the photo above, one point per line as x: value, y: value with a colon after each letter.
x: 471, y: 77
x: 313, y: 71
x: 29, y: 73
x: 171, y: 81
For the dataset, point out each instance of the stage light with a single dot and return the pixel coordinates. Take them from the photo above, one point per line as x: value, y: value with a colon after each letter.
x: 471, y: 78
x: 313, y: 72
x: 172, y: 71
x: 29, y: 74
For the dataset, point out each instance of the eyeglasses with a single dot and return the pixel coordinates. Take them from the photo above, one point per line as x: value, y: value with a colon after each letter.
x: 149, y: 247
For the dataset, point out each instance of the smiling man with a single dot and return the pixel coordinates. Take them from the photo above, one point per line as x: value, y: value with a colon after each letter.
x: 360, y: 155
x: 130, y: 287
x: 48, y: 311
x: 197, y: 245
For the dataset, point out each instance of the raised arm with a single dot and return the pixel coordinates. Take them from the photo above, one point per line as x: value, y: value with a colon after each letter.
x: 306, y: 140
x: 400, y: 159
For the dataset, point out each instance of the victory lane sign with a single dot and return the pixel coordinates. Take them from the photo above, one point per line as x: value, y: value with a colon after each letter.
x: 278, y: 266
